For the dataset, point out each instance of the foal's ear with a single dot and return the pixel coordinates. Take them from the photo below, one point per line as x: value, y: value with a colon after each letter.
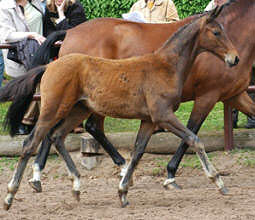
x: 214, y: 13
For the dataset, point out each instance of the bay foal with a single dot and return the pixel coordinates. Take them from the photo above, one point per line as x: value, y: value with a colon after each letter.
x: 210, y: 80
x: 148, y: 88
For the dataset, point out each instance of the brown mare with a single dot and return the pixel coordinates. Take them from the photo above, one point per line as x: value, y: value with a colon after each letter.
x: 148, y: 88
x: 209, y: 83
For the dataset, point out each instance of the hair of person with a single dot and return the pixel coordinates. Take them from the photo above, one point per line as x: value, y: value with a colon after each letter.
x: 52, y: 7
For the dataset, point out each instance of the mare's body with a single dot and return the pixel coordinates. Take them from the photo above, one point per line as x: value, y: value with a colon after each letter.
x: 148, y: 88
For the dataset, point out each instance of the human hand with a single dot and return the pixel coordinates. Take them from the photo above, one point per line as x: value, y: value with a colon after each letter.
x: 60, y: 7
x: 39, y: 38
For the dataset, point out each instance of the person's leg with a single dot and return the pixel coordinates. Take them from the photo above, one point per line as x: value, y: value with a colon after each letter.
x: 251, y: 120
x: 1, y: 67
x: 30, y: 117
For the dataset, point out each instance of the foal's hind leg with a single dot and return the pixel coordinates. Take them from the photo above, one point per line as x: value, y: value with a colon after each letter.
x: 75, y: 117
x: 202, y: 107
x: 171, y: 123
x: 29, y: 147
x: 144, y: 134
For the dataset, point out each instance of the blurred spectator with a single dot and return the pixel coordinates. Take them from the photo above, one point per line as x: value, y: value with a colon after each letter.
x: 20, y: 20
x: 156, y: 11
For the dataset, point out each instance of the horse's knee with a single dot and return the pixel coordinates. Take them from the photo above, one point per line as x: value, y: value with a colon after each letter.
x: 195, y: 143
x: 28, y: 151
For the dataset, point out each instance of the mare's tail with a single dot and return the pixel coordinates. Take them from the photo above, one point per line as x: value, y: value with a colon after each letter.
x: 47, y: 50
x: 20, y: 91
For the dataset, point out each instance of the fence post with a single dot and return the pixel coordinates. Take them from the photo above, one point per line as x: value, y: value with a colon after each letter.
x: 228, y: 128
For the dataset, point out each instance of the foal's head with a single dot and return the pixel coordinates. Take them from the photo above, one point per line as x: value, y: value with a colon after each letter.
x: 214, y: 39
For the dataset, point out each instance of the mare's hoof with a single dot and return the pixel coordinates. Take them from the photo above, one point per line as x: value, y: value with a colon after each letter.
x: 223, y: 191
x: 36, y: 185
x: 123, y: 198
x: 171, y: 183
x: 76, y: 195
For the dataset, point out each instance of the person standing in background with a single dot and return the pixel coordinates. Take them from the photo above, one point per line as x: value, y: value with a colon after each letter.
x: 156, y: 11
x: 20, y: 20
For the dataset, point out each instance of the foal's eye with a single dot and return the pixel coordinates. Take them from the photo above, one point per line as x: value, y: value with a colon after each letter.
x: 216, y: 33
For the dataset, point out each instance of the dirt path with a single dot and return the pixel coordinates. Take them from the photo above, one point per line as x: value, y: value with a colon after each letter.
x: 199, y: 198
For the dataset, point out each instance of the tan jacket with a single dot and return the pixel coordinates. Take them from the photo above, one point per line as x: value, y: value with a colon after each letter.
x: 12, y: 20
x: 162, y: 11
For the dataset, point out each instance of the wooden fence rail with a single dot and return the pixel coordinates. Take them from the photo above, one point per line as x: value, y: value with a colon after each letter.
x: 228, y: 125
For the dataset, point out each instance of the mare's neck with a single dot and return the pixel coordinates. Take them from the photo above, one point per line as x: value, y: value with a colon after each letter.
x: 181, y: 50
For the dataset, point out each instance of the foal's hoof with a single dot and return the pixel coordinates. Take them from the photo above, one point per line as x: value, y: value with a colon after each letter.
x: 223, y: 191
x: 36, y: 185
x: 7, y: 203
x: 171, y: 183
x: 76, y: 195
x: 7, y: 206
x: 123, y: 198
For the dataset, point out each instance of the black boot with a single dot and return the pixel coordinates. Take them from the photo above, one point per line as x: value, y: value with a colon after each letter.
x: 235, y: 117
x: 24, y: 129
x: 250, y: 122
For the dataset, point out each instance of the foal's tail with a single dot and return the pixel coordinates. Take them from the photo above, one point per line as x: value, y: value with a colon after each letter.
x: 47, y: 50
x: 20, y: 91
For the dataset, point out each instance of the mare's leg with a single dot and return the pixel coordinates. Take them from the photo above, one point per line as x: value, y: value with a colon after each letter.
x: 201, y: 109
x: 144, y: 134
x: 29, y: 147
x: 95, y: 126
x: 74, y: 118
x: 243, y: 103
x: 40, y: 162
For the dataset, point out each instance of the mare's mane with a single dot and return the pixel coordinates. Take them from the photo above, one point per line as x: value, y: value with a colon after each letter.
x: 232, y: 9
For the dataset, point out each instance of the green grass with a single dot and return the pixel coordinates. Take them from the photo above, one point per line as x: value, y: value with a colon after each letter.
x: 213, y: 122
x: 246, y: 157
x: 8, y: 162
x: 189, y: 160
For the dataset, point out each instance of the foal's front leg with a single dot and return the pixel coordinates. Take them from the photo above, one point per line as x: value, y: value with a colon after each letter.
x: 143, y: 136
x: 172, y: 124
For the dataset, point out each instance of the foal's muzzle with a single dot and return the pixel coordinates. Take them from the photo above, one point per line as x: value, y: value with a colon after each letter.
x: 231, y: 59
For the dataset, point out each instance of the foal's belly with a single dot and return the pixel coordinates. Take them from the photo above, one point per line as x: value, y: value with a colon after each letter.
x: 120, y: 109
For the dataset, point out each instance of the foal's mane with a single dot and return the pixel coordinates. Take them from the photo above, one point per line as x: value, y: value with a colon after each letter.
x: 182, y: 38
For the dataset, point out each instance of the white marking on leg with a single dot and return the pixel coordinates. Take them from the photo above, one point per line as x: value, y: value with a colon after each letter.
x: 123, y: 170
x: 8, y: 198
x: 36, y: 173
x: 169, y: 181
x: 12, y: 186
x: 76, y: 183
x: 123, y: 173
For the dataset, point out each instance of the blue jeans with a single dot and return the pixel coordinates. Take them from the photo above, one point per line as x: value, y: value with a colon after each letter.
x: 1, y: 67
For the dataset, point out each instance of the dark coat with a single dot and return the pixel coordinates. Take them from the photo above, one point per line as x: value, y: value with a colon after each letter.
x: 74, y: 14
